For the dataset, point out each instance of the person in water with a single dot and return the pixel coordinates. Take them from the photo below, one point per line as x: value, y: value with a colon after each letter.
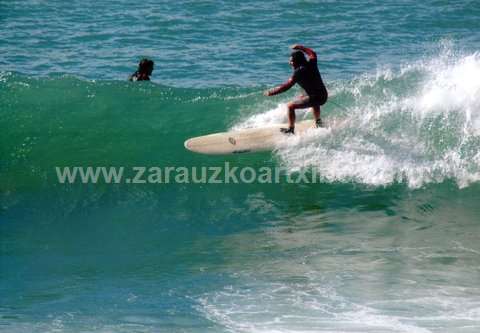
x: 306, y: 74
x: 145, y: 69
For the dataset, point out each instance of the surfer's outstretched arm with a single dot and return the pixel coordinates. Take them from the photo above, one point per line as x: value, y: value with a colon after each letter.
x: 280, y: 89
x: 311, y: 53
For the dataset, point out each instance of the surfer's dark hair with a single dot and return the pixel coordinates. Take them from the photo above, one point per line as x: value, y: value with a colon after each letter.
x: 145, y: 66
x: 298, y: 58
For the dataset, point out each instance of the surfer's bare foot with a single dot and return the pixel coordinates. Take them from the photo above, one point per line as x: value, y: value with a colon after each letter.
x: 290, y: 130
x: 319, y: 123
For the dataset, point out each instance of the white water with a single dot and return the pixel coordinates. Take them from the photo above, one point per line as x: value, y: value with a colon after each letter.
x: 418, y: 125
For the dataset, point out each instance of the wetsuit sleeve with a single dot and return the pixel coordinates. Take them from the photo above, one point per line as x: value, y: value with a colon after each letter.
x: 311, y: 53
x: 284, y: 87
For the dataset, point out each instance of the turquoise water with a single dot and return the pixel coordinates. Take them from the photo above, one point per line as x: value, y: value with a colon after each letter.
x: 387, y: 241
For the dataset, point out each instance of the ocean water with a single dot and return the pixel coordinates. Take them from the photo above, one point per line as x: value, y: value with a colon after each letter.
x: 386, y: 241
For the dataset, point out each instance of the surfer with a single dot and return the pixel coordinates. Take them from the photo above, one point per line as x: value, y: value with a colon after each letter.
x: 306, y: 74
x: 145, y: 69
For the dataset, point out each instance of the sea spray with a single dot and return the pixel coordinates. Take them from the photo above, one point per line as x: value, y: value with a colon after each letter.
x: 417, y: 125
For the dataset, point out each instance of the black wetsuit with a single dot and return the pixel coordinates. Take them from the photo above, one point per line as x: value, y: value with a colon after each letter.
x: 308, y: 77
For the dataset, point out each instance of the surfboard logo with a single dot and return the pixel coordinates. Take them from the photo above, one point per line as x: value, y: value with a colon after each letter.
x: 232, y: 141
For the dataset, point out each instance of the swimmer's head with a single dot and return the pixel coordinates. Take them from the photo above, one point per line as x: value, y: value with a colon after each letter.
x: 145, y: 66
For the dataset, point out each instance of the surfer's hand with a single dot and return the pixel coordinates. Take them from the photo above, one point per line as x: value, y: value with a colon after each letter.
x: 267, y: 93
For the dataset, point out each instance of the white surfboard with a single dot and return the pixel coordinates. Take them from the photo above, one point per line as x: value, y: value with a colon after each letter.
x: 244, y: 141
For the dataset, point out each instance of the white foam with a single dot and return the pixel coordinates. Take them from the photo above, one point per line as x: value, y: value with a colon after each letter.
x: 417, y: 125
x: 271, y: 117
x: 306, y: 307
